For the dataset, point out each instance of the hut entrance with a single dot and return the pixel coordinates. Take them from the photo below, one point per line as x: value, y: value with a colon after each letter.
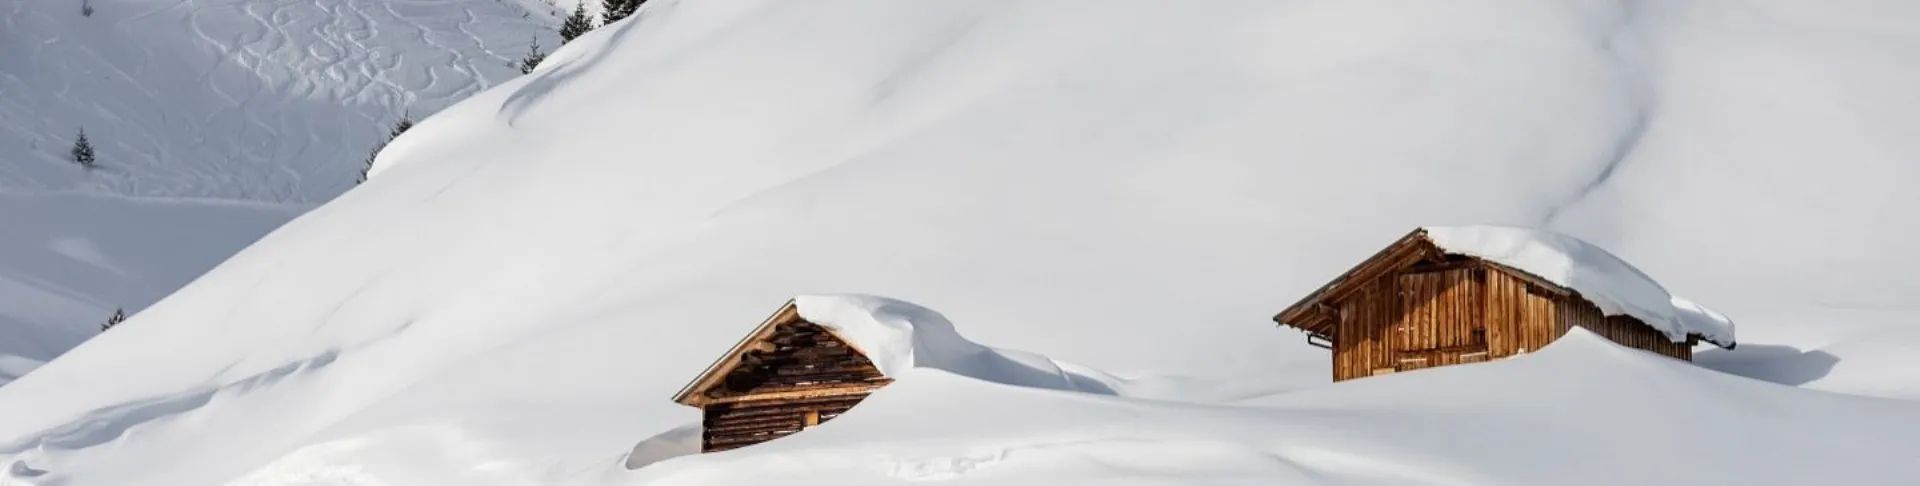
x: 1425, y: 317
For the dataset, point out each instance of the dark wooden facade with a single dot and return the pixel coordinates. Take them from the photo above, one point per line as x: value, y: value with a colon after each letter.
x: 1414, y: 306
x: 787, y: 376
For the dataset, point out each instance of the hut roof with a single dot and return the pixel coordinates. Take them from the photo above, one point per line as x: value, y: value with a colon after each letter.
x: 1555, y: 261
x: 895, y: 336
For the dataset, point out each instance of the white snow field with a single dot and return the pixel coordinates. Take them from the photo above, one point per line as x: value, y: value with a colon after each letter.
x: 213, y: 121
x: 1123, y: 189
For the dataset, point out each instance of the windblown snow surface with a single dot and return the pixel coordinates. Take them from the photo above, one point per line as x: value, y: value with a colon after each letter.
x: 1132, y: 188
x: 213, y: 121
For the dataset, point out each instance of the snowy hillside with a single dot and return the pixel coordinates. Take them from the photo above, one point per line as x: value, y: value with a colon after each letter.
x: 213, y: 122
x: 264, y: 101
x: 1129, y: 192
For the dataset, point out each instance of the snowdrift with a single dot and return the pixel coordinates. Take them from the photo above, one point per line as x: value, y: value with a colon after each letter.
x: 900, y: 336
x: 1134, y: 188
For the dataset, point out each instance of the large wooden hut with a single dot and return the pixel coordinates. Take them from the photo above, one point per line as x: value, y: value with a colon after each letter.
x: 784, y: 377
x: 1415, y: 305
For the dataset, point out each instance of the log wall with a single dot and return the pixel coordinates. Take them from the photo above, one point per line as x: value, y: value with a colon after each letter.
x: 799, y: 376
x: 740, y: 424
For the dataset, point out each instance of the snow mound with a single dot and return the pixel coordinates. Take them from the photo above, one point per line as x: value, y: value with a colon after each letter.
x: 898, y: 336
x: 1612, y: 284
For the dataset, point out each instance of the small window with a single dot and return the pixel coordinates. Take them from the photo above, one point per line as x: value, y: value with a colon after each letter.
x: 813, y: 418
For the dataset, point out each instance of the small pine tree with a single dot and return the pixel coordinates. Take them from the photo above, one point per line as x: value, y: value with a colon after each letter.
x: 82, y: 151
x: 399, y: 127
x: 86, y: 8
x: 119, y: 315
x: 577, y: 24
x: 613, y: 10
x: 533, y: 58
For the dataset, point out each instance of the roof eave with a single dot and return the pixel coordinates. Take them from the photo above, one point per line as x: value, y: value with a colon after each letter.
x: 1303, y: 311
x: 725, y: 363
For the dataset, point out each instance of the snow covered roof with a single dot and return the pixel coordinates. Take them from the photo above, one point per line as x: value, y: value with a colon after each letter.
x: 898, y: 336
x: 1610, y: 283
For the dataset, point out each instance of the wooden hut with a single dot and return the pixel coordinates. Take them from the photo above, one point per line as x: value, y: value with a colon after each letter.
x: 784, y: 377
x: 1414, y: 305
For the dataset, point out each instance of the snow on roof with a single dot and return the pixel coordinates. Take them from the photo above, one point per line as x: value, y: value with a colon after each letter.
x: 898, y: 336
x: 1612, y: 284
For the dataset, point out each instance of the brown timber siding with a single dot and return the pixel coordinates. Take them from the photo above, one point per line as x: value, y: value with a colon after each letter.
x: 745, y: 423
x: 1464, y: 313
x: 1410, y: 321
x: 799, y: 375
x: 1626, y: 330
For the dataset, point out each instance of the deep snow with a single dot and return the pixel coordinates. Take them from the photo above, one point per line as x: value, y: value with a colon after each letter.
x: 533, y: 272
x: 1580, y: 411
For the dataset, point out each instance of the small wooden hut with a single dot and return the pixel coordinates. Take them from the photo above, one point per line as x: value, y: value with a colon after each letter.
x: 784, y: 377
x: 1413, y: 305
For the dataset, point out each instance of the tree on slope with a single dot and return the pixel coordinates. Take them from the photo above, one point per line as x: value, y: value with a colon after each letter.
x: 533, y: 58
x: 82, y: 151
x: 577, y: 24
x: 119, y: 315
x: 399, y: 127
x: 613, y: 10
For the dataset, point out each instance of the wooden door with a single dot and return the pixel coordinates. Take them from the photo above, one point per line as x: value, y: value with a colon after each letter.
x: 1439, y: 319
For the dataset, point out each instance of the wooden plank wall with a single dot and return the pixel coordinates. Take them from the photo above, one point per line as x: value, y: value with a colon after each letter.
x: 1362, y: 344
x: 1625, y: 330
x: 781, y: 381
x: 1414, y: 320
x: 1441, y: 319
x: 1522, y: 317
x: 1409, y: 321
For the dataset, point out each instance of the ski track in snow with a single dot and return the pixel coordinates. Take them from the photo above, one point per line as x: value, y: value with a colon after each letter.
x: 272, y: 101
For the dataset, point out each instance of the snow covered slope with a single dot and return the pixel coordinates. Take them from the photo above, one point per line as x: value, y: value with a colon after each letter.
x: 68, y: 260
x: 534, y: 271
x: 266, y: 101
x: 213, y: 122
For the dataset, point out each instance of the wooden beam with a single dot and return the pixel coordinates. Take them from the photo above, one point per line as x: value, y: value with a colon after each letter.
x: 798, y: 394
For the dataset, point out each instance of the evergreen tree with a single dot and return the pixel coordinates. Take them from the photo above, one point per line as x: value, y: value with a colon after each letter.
x: 86, y: 8
x: 399, y: 127
x: 534, y: 56
x: 613, y: 10
x: 119, y: 315
x: 82, y: 151
x: 577, y: 24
